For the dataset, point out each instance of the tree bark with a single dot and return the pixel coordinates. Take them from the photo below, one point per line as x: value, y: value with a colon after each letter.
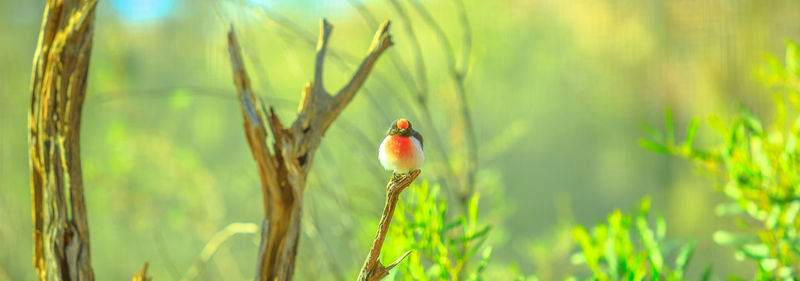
x: 58, y: 89
x: 283, y: 171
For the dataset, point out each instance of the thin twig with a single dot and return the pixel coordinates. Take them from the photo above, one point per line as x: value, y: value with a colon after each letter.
x: 458, y: 76
x: 312, y: 230
x: 467, y: 37
x: 422, y: 91
x: 422, y: 97
x: 214, y: 243
x: 164, y: 253
x: 141, y: 275
x: 262, y: 246
x: 419, y: 89
x: 373, y: 270
x: 322, y: 46
x: 3, y: 274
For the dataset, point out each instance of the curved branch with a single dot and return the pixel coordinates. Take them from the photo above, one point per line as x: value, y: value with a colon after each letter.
x: 214, y: 243
x: 373, y: 270
x: 458, y: 76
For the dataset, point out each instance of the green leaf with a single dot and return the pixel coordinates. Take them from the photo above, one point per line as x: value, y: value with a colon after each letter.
x: 487, y: 254
x: 683, y: 258
x: 653, y: 146
x: 590, y: 254
x: 755, y: 251
x: 669, y: 127
x: 791, y: 211
x: 718, y: 125
x: 475, y: 247
x: 459, y: 222
x: 656, y: 272
x: 648, y: 239
x: 706, y: 273
x: 577, y: 259
x: 690, y: 134
x: 726, y: 238
x: 472, y: 211
x: 768, y: 264
x: 751, y: 121
x: 644, y: 206
x: 652, y: 131
x: 661, y: 228
x: 728, y: 209
x: 792, y: 59
x: 771, y: 72
x: 476, y: 235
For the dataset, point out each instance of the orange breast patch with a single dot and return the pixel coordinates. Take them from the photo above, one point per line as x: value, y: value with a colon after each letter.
x: 400, y: 147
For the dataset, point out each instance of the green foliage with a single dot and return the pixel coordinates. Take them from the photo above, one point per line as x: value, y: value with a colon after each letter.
x: 628, y: 247
x: 761, y: 172
x: 442, y: 248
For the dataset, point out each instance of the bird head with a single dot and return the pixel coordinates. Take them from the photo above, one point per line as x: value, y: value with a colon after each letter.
x: 401, y: 127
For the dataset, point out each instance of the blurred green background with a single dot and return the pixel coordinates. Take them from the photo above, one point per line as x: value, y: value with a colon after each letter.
x: 558, y: 91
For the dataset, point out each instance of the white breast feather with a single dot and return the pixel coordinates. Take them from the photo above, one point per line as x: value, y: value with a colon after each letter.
x: 401, y: 165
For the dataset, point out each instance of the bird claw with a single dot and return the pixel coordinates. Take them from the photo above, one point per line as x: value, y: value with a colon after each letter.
x: 396, y: 175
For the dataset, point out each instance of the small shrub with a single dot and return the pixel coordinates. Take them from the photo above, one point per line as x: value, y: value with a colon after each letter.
x: 759, y: 167
x: 628, y: 247
x: 442, y: 249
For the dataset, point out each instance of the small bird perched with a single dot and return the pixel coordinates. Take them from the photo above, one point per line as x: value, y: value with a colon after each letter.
x: 401, y: 150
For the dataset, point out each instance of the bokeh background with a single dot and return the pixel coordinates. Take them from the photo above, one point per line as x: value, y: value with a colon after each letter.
x: 558, y: 90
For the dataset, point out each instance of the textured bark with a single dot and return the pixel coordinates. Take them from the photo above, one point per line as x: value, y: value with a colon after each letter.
x: 283, y: 171
x: 373, y: 270
x: 58, y: 86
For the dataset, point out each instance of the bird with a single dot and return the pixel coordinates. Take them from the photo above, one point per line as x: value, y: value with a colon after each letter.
x: 401, y: 150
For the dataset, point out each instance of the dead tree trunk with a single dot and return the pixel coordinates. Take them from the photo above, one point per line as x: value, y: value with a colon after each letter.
x: 58, y: 88
x: 283, y: 172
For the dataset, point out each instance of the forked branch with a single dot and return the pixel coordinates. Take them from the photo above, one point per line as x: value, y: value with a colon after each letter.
x: 283, y: 171
x: 373, y: 270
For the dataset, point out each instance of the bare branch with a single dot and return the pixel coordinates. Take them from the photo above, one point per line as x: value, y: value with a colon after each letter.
x: 398, y: 260
x: 373, y: 270
x: 422, y: 91
x: 342, y: 59
x: 325, y: 30
x: 380, y: 43
x: 467, y: 40
x: 458, y: 76
x: 422, y: 98
x: 254, y: 119
x: 284, y: 170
